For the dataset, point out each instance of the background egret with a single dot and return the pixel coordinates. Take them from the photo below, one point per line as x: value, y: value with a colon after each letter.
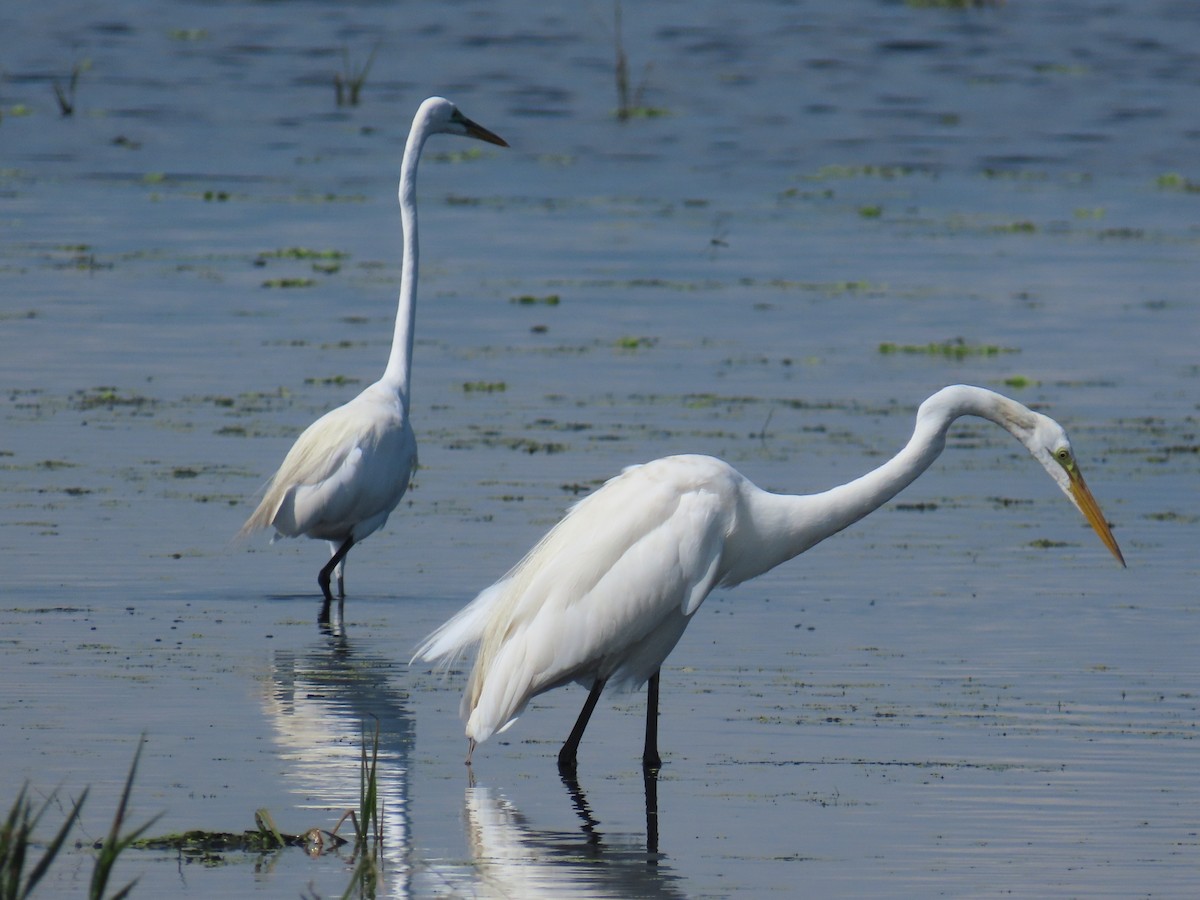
x: 348, y: 470
x: 607, y: 593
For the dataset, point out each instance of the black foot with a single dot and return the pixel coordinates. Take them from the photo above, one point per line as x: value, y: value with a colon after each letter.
x: 568, y: 765
x: 323, y: 583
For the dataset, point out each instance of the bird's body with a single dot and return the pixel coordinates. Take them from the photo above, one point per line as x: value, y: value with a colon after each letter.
x: 319, y: 489
x: 350, y: 468
x: 604, y: 597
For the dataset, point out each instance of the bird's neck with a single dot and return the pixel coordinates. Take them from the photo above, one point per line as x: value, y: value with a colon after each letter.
x: 399, y: 366
x: 787, y: 525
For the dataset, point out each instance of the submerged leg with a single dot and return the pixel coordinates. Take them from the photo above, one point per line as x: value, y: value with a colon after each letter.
x: 650, y: 782
x: 566, y: 756
x: 339, y: 572
x: 650, y: 758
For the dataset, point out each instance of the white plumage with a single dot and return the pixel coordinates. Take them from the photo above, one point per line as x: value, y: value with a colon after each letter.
x: 348, y: 470
x: 607, y: 593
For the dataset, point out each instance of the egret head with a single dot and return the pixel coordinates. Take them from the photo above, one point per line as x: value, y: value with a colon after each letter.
x: 443, y: 117
x: 1049, y: 444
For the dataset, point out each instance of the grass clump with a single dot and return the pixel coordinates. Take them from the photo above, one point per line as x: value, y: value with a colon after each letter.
x: 629, y: 104
x: 16, y: 842
x: 66, y: 95
x: 115, y: 843
x: 368, y: 824
x: 348, y: 83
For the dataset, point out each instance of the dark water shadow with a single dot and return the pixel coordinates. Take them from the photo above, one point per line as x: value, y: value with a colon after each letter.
x: 517, y: 859
x: 313, y: 597
x: 323, y: 703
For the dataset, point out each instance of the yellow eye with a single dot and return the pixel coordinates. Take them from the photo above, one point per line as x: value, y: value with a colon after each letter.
x: 1063, y: 455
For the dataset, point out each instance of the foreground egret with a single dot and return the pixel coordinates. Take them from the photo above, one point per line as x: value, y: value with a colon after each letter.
x: 606, y: 594
x: 348, y: 470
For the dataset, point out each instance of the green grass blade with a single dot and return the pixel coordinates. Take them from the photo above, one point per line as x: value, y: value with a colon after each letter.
x: 56, y: 843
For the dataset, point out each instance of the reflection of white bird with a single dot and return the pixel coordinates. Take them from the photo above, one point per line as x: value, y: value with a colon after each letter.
x: 348, y: 470
x: 326, y: 704
x: 608, y: 592
x: 511, y: 857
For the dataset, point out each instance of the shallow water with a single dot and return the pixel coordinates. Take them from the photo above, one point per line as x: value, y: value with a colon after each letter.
x: 963, y: 695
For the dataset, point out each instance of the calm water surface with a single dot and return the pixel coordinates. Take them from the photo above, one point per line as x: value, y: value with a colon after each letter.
x: 961, y: 696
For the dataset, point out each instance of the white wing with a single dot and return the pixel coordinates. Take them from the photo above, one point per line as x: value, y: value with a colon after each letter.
x: 606, y: 594
x: 349, y: 468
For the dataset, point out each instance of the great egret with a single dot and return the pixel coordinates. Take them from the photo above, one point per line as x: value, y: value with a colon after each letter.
x: 607, y: 593
x: 348, y: 470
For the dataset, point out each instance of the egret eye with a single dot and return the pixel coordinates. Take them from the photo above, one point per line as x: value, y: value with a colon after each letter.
x: 1063, y: 455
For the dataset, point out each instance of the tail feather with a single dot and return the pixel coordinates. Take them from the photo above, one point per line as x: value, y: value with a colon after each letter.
x: 462, y: 632
x: 262, y: 517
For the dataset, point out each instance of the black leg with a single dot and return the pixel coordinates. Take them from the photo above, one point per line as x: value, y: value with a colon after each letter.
x: 323, y: 581
x: 324, y: 575
x: 650, y: 781
x: 566, y: 756
x: 650, y: 758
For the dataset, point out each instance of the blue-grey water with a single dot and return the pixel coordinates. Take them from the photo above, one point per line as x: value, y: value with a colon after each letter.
x: 962, y: 696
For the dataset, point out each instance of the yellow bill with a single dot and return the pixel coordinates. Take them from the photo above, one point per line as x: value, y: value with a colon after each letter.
x: 1091, y: 511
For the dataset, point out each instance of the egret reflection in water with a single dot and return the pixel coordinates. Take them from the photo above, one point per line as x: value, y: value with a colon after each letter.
x: 513, y: 858
x: 320, y: 703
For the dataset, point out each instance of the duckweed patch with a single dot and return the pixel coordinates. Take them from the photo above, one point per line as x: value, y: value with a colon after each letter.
x: 1047, y: 544
x: 827, y: 173
x: 641, y: 112
x: 264, y: 838
x: 1173, y: 516
x: 470, y: 154
x: 289, y: 282
x: 333, y: 380
x: 108, y: 398
x: 1017, y: 382
x: 305, y: 253
x: 635, y: 343
x: 484, y: 387
x: 828, y: 288
x: 481, y: 437
x: 1173, y: 181
x: 957, y: 348
x: 1021, y: 227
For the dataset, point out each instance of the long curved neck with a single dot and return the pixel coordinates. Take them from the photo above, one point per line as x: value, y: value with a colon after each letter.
x: 399, y: 365
x: 786, y: 525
